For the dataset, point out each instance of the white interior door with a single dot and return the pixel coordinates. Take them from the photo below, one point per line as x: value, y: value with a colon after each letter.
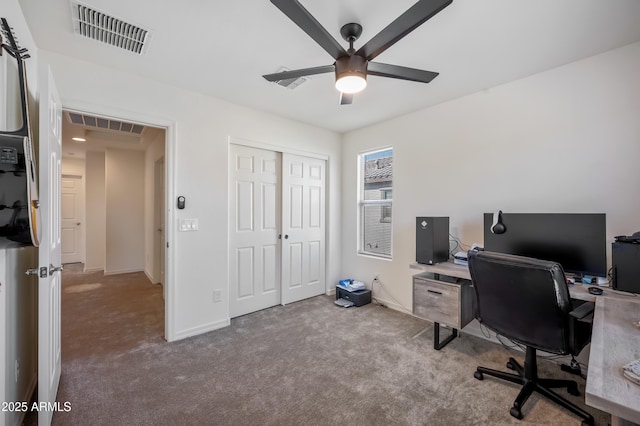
x: 254, y: 219
x: 49, y: 255
x: 72, y: 219
x: 303, y: 227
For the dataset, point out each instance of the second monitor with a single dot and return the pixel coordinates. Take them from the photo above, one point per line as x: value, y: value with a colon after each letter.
x: 574, y: 240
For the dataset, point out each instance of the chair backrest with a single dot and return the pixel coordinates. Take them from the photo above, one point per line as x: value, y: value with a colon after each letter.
x: 524, y: 299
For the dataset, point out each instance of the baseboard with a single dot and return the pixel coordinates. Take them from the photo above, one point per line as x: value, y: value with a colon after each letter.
x: 122, y: 271
x: 201, y: 329
x: 97, y: 269
x: 331, y: 292
x: 391, y: 305
x: 151, y: 278
x: 474, y: 329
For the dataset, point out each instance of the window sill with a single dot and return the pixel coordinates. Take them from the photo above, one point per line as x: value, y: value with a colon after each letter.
x: 375, y: 255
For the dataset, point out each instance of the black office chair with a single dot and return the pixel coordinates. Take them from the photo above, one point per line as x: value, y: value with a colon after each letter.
x: 527, y: 300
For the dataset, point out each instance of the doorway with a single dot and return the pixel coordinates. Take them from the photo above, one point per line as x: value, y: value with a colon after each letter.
x: 120, y: 167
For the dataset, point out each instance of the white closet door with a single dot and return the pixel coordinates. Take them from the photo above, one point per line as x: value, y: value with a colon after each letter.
x: 303, y: 227
x: 254, y: 219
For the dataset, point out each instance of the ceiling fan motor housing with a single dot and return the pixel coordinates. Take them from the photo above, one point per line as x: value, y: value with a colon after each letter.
x: 353, y: 65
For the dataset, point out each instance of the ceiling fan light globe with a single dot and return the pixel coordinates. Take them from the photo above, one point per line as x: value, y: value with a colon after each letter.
x: 351, y: 84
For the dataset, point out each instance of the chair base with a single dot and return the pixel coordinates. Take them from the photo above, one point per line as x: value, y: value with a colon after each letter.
x: 528, y: 378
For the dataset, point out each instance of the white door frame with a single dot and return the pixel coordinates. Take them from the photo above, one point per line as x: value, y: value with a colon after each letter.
x: 170, y: 149
x: 286, y: 150
x: 159, y: 205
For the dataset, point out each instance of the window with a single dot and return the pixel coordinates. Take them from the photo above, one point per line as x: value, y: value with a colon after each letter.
x: 375, y: 202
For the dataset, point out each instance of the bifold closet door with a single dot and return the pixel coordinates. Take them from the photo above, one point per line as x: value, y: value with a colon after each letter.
x: 254, y: 219
x: 303, y: 227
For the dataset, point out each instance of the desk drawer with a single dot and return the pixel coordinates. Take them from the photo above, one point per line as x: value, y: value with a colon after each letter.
x: 437, y: 301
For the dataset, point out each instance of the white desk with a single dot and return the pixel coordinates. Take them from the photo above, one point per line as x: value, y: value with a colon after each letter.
x: 615, y: 342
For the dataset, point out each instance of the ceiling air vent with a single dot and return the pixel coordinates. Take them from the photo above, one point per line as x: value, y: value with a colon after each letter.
x: 290, y: 83
x: 91, y: 23
x: 105, y: 123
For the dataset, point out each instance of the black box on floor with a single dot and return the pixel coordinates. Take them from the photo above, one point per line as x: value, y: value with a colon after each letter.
x: 358, y: 297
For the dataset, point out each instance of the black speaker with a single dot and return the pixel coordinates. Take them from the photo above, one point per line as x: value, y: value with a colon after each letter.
x: 625, y: 259
x: 432, y: 240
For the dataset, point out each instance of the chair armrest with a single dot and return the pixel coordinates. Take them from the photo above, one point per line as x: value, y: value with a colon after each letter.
x: 583, y: 310
x: 580, y: 323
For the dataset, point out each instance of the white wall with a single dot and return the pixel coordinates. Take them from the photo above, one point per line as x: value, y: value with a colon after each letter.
x: 566, y: 140
x: 203, y: 126
x: 73, y: 166
x: 96, y: 219
x: 124, y: 176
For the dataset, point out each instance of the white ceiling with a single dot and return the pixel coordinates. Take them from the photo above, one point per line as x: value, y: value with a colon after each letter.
x: 222, y: 48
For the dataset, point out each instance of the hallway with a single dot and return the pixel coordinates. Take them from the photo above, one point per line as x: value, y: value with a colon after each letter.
x: 106, y: 314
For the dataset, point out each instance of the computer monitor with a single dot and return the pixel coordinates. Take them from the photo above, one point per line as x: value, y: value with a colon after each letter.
x: 574, y: 240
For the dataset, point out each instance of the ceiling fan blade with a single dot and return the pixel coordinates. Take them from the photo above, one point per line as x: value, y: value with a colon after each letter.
x: 346, y: 98
x: 402, y: 73
x: 302, y: 18
x: 287, y: 75
x: 403, y: 25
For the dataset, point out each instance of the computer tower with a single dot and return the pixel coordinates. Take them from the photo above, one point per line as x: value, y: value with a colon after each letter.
x: 432, y: 240
x: 626, y: 266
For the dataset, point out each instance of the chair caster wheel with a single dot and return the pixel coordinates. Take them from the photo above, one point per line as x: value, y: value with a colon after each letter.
x: 510, y: 366
x: 515, y: 412
x: 587, y: 423
x: 573, y: 390
x: 478, y: 375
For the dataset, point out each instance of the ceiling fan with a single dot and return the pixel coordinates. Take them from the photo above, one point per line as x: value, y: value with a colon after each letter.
x: 352, y: 66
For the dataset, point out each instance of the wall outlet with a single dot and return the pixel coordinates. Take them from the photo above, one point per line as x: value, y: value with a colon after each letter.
x: 217, y: 296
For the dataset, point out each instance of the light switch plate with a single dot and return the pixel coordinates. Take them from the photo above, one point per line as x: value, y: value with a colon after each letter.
x: 187, y: 225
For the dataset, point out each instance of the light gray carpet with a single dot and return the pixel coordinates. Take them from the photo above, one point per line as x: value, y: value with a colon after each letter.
x: 308, y: 363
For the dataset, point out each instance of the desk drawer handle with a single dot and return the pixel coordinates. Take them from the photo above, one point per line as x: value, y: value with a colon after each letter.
x: 435, y: 292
